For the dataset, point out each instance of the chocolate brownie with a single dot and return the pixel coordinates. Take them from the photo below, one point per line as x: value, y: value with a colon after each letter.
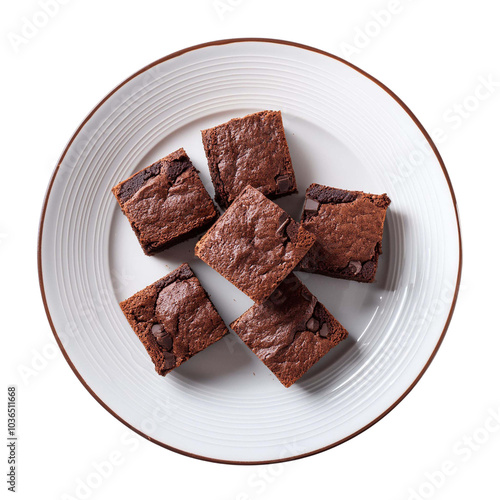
x: 348, y: 226
x: 174, y: 319
x: 249, y: 150
x: 254, y: 245
x: 166, y: 202
x: 290, y: 331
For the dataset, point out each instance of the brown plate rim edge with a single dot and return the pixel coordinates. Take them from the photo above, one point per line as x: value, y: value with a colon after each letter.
x: 179, y: 53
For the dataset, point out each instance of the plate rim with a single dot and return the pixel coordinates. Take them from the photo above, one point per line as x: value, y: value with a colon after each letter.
x: 180, y: 53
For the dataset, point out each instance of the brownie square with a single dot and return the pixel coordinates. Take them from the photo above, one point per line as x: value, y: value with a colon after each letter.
x: 249, y: 150
x: 348, y: 226
x: 254, y: 245
x: 290, y: 331
x: 174, y: 319
x: 166, y: 202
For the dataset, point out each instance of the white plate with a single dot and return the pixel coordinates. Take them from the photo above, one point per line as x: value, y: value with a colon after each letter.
x: 344, y: 129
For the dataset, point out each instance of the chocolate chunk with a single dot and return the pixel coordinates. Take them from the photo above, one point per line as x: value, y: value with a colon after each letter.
x: 287, y: 228
x: 368, y: 270
x: 355, y: 267
x: 292, y: 282
x: 175, y: 168
x: 325, y: 194
x: 157, y: 330
x: 313, y: 325
x: 169, y: 361
x: 277, y: 297
x: 162, y: 337
x: 311, y: 205
x: 181, y: 273
x: 292, y: 231
x: 324, y: 330
x: 282, y: 227
x: 307, y: 295
x: 283, y: 184
x: 166, y: 341
x: 283, y: 218
x: 129, y: 187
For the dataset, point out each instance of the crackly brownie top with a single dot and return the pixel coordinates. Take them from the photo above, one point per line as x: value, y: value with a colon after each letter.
x: 174, y: 318
x: 255, y: 244
x: 250, y: 150
x: 165, y: 200
x: 290, y: 331
x: 348, y: 225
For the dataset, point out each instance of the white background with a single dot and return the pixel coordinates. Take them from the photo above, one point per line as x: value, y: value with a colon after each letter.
x: 434, y: 55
